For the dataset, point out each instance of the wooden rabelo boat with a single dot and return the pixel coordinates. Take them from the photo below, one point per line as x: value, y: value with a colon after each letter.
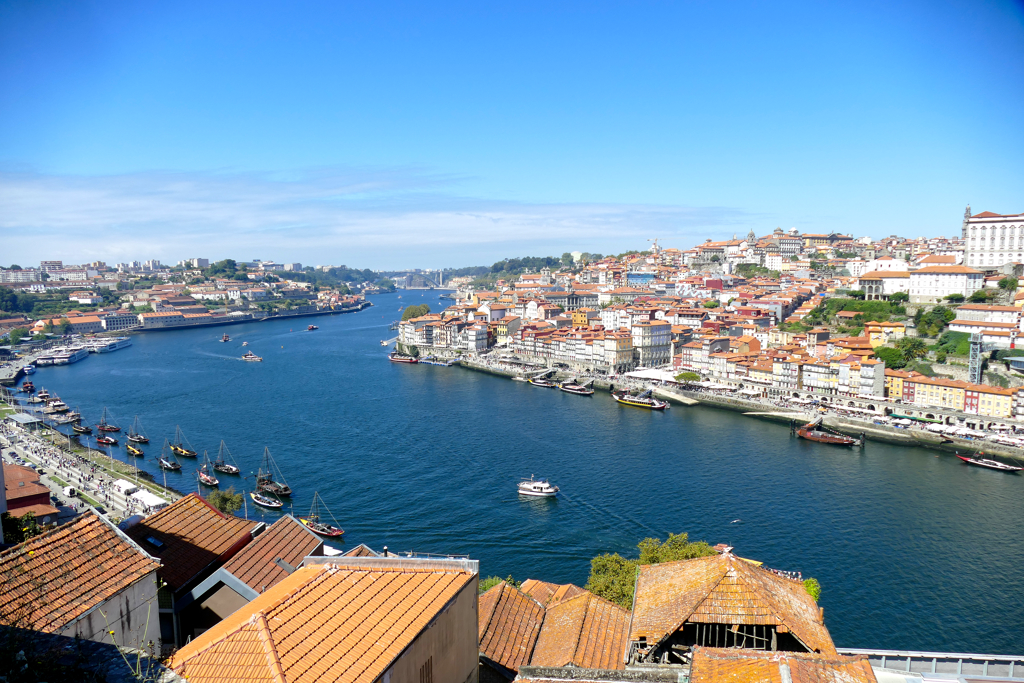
x: 106, y: 440
x: 181, y: 446
x: 987, y: 463
x: 205, y: 472
x: 135, y: 433
x: 269, y: 478
x: 316, y: 523
x: 813, y: 431
x: 167, y: 459
x: 574, y: 387
x: 134, y: 450
x: 224, y: 462
x: 105, y: 425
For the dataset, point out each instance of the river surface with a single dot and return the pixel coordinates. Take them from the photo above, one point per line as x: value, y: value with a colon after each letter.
x: 913, y: 549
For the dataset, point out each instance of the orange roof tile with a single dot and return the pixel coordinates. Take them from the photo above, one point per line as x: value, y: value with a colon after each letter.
x: 585, y: 631
x: 54, y: 578
x: 714, y: 665
x: 547, y: 593
x: 287, y: 539
x: 722, y: 589
x: 325, y: 622
x: 192, y: 535
x: 509, y: 624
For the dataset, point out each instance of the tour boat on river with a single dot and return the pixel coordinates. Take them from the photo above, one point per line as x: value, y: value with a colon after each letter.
x: 989, y: 464
x: 396, y: 357
x: 311, y: 328
x: 539, y: 488
x: 252, y: 357
x: 181, y: 446
x: 538, y: 382
x: 28, y: 370
x: 225, y: 338
x: 575, y: 388
x: 643, y: 400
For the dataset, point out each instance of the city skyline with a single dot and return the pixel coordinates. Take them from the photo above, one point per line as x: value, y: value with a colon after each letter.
x: 459, y: 136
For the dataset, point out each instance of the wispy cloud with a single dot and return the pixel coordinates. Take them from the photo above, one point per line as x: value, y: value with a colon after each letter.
x: 371, y: 217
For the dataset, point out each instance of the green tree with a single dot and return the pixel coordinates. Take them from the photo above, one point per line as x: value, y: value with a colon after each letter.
x: 979, y: 297
x: 19, y: 333
x: 912, y: 348
x: 955, y: 298
x: 48, y: 327
x: 613, y: 577
x: 813, y: 588
x: 940, y: 357
x: 715, y: 259
x: 1008, y: 284
x: 65, y: 326
x: 893, y: 359
x: 855, y: 294
x: 384, y: 283
x: 899, y: 298
x: 711, y: 303
x: 19, y: 529
x: 492, y: 581
x: 415, y: 311
x: 688, y: 377
x: 227, y: 502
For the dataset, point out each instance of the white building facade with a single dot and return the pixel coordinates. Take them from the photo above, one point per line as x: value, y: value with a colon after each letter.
x: 993, y: 239
x: 934, y: 283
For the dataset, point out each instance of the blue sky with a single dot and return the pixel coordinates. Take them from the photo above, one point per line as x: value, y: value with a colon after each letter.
x: 443, y: 134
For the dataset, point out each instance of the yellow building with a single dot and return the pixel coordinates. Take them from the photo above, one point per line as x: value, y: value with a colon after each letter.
x: 884, y: 333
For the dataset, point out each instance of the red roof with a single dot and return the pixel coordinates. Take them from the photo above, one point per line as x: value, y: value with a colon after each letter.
x: 54, y: 578
x: 287, y: 539
x: 188, y: 536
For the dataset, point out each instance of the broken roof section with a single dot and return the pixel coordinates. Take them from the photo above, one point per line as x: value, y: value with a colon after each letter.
x: 727, y: 590
x: 53, y: 579
x: 190, y: 535
x: 715, y: 665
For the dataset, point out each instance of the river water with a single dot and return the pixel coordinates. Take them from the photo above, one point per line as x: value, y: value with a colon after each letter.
x: 913, y: 549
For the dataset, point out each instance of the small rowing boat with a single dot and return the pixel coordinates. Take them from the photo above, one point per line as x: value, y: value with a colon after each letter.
x: 265, y: 501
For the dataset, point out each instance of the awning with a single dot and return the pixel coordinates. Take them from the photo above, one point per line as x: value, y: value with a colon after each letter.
x: 150, y: 500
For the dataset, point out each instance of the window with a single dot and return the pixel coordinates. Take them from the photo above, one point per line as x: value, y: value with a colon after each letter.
x: 427, y: 671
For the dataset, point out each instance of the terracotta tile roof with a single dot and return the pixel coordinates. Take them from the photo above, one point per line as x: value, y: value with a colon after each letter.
x: 723, y: 589
x: 193, y: 535
x: 547, y: 593
x: 361, y: 550
x: 39, y: 510
x: 947, y: 270
x: 22, y: 482
x: 585, y: 631
x: 56, y: 577
x: 287, y: 539
x: 715, y: 665
x: 323, y: 622
x: 509, y: 623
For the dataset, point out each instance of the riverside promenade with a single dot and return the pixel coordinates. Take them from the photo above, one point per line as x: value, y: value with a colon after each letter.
x: 835, y: 417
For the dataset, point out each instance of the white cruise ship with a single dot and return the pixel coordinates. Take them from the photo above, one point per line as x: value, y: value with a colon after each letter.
x: 68, y: 356
x: 107, y: 345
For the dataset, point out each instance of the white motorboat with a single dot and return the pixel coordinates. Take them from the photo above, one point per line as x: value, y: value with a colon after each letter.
x: 540, y: 488
x: 29, y: 369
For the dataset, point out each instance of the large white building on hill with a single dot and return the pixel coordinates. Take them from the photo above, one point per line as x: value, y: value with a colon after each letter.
x: 992, y: 240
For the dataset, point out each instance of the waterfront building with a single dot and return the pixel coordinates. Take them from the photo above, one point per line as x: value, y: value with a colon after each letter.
x: 992, y: 240
x: 652, y: 343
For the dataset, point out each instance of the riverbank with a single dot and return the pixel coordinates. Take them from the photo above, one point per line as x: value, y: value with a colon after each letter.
x: 852, y: 426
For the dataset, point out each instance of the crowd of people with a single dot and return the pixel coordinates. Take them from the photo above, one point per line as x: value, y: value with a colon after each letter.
x: 74, y: 469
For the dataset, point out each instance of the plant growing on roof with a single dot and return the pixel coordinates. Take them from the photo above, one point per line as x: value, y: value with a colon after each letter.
x: 813, y: 588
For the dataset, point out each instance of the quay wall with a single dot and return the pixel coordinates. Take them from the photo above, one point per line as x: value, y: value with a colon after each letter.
x: 846, y: 425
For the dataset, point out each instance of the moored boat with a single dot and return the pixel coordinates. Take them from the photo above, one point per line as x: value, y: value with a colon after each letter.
x: 134, y: 450
x: 573, y: 387
x: 269, y: 477
x: 541, y: 382
x: 264, y: 500
x: 225, y: 338
x: 225, y: 462
x: 315, y: 523
x: 167, y: 459
x: 135, y: 432
x: 396, y: 357
x: 43, y: 394
x: 106, y: 440
x: 81, y: 429
x: 28, y: 369
x: 205, y: 472
x: 642, y: 400
x: 181, y: 446
x: 990, y: 464
x: 813, y: 431
x: 538, y: 488
x: 105, y: 425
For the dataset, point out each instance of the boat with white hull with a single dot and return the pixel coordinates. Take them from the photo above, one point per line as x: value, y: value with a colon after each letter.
x: 538, y: 488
